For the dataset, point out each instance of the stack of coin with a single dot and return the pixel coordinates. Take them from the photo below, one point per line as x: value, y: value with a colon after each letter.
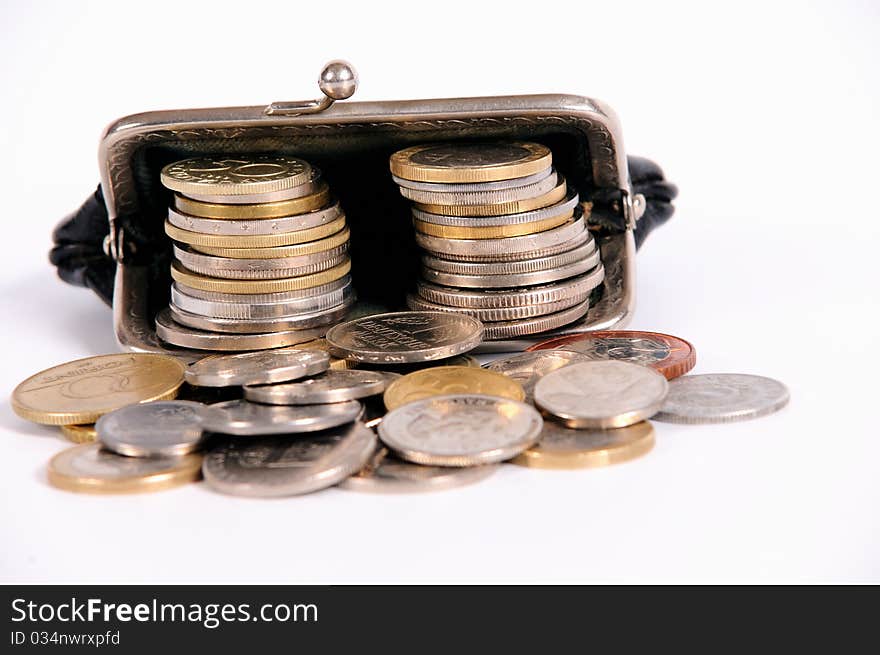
x: 504, y: 238
x: 260, y: 254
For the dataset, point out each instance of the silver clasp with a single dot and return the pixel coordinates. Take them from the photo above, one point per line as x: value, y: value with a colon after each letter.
x: 338, y: 81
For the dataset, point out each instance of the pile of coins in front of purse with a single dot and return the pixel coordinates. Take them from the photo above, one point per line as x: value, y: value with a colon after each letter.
x: 414, y: 413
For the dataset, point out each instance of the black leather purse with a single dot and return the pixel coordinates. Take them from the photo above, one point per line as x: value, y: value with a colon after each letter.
x: 115, y: 243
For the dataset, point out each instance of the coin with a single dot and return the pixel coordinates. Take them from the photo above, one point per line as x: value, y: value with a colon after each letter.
x: 565, y: 448
x: 243, y: 418
x: 259, y: 269
x: 218, y: 244
x: 555, y: 195
x: 241, y: 247
x: 161, y: 429
x: 492, y: 231
x: 304, y: 189
x: 405, y: 337
x: 267, y: 298
x: 82, y: 390
x: 235, y: 175
x: 508, y: 280
x: 721, y: 398
x: 494, y: 298
x: 262, y: 367
x: 280, y: 466
x: 567, y: 208
x: 671, y: 356
x: 336, y: 364
x: 90, y: 469
x: 178, y: 335
x: 278, y: 209
x: 511, y: 267
x: 254, y: 226
x: 521, y: 327
x: 601, y: 394
x: 499, y: 313
x: 473, y: 187
x: 446, y: 380
x: 329, y: 387
x: 385, y: 473
x: 481, y: 196
x: 460, y: 430
x: 80, y: 433
x: 190, y: 279
x: 470, y: 162
x: 528, y: 368
x: 264, y: 325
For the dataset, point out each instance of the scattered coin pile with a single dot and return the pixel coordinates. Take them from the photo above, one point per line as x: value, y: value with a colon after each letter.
x: 260, y: 254
x: 294, y: 425
x: 504, y: 238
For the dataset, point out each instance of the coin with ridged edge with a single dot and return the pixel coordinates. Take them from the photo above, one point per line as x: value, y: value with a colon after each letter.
x: 306, y: 188
x: 196, y: 281
x: 522, y: 327
x: 329, y: 387
x: 567, y: 207
x: 492, y: 231
x: 261, y: 325
x: 211, y: 243
x: 259, y: 269
x: 721, y: 398
x: 471, y: 187
x: 82, y: 390
x: 246, y: 419
x: 80, y: 433
x: 460, y: 430
x: 565, y: 448
x: 489, y: 315
x: 405, y: 337
x: 241, y: 250
x: 512, y: 279
x: 161, y: 429
x: 256, y: 226
x: 555, y: 195
x: 258, y: 298
x: 235, y: 175
x: 277, y: 209
x: 510, y: 267
x: 483, y: 196
x: 470, y: 162
x: 446, y: 380
x: 264, y: 367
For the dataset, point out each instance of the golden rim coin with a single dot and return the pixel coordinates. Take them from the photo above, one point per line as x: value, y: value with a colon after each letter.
x: 205, y: 283
x: 567, y: 448
x: 280, y: 251
x: 88, y: 468
x: 557, y: 194
x: 444, y: 380
x: 236, y: 242
x: 83, y: 390
x: 236, y: 175
x: 470, y: 162
x: 80, y: 433
x: 491, y: 232
x: 278, y: 209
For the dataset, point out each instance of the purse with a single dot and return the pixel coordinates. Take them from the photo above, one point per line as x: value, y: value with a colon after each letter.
x: 115, y: 243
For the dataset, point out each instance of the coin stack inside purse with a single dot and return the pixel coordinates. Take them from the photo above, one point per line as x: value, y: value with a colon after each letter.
x: 504, y: 239
x: 260, y: 254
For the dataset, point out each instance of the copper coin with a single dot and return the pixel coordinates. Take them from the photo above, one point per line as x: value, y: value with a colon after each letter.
x: 665, y: 353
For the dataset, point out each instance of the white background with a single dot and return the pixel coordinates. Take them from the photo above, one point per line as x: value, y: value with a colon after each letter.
x: 765, y: 115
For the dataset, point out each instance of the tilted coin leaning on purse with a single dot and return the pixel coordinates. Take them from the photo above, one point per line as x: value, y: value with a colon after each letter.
x: 116, y: 243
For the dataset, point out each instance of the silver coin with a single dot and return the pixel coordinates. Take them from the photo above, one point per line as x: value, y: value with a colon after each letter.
x: 405, y: 337
x: 568, y: 206
x: 259, y: 269
x: 256, y: 226
x: 512, y: 279
x: 278, y: 466
x: 460, y: 430
x: 262, y: 325
x: 245, y: 310
x: 306, y: 188
x: 159, y: 429
x: 483, y: 196
x: 721, y: 398
x: 267, y: 298
x: 385, y: 473
x: 511, y: 267
x: 541, y: 244
x: 492, y: 298
x: 179, y: 335
x: 263, y: 367
x: 522, y: 327
x: 334, y: 386
x: 528, y: 368
x: 469, y: 187
x: 499, y: 313
x: 245, y: 419
x: 601, y: 394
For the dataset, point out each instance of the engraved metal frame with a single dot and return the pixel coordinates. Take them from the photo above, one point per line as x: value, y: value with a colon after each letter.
x: 470, y: 117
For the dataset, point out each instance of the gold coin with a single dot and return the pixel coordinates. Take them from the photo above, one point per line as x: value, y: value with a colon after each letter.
x: 470, y: 162
x: 443, y: 380
x: 278, y: 209
x: 553, y: 196
x: 205, y: 283
x: 84, y: 390
x: 236, y: 175
x: 321, y: 344
x: 492, y: 231
x: 236, y: 242
x: 294, y: 250
x: 90, y: 469
x: 566, y: 448
x: 80, y: 433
